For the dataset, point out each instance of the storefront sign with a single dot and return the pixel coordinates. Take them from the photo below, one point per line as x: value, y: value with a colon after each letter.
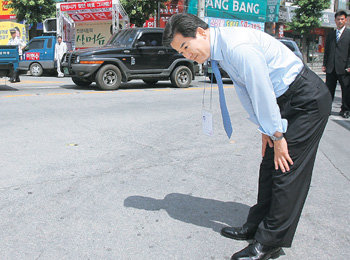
x: 249, y: 10
x: 218, y: 22
x: 6, y: 13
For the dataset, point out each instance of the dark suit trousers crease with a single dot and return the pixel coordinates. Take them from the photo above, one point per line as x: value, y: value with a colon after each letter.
x: 281, y: 196
x: 344, y: 81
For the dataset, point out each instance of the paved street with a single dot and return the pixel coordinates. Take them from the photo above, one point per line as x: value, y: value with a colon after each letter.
x: 128, y: 174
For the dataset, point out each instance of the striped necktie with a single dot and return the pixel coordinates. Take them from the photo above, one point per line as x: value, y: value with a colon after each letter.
x: 224, y: 112
x: 338, y: 35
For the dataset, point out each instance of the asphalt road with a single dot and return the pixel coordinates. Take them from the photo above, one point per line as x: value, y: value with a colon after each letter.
x: 128, y: 174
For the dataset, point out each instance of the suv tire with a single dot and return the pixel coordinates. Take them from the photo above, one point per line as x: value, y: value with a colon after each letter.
x: 81, y: 82
x: 108, y: 77
x: 181, y: 77
x: 36, y: 70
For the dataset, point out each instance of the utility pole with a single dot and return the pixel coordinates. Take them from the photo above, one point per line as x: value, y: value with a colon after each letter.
x: 201, y: 14
x: 201, y: 9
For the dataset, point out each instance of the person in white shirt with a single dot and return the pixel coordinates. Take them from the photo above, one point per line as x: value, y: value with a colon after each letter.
x: 15, y: 40
x: 60, y: 50
x: 290, y: 105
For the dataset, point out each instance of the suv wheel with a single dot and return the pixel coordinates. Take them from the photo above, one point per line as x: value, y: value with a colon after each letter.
x: 181, y: 77
x: 150, y: 81
x: 108, y: 77
x: 36, y: 70
x: 81, y: 82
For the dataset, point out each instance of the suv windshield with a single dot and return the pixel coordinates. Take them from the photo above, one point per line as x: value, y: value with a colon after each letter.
x: 122, y: 38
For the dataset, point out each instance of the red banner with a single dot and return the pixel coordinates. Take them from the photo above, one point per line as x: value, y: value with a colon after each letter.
x: 33, y: 56
x: 85, y: 5
x: 100, y: 16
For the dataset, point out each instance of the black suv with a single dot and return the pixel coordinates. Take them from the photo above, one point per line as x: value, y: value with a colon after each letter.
x: 135, y: 53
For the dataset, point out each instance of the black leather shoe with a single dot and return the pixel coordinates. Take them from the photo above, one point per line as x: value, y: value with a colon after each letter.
x: 341, y: 112
x: 238, y: 233
x: 257, y: 251
x: 346, y: 114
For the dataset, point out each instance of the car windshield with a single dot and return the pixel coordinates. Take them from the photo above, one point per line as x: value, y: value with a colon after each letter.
x: 122, y: 38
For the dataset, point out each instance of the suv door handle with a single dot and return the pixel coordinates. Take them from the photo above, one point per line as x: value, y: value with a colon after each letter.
x: 161, y: 52
x: 126, y: 51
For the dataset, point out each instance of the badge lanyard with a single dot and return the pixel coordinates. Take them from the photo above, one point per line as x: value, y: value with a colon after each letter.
x: 207, y: 115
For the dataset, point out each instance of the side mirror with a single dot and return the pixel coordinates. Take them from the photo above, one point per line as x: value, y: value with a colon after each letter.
x: 140, y: 44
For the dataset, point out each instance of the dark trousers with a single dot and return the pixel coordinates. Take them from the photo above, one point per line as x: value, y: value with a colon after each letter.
x: 15, y: 76
x: 344, y: 81
x: 281, y: 196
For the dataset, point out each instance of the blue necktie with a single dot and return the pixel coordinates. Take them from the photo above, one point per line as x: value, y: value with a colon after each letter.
x: 338, y: 35
x: 224, y: 112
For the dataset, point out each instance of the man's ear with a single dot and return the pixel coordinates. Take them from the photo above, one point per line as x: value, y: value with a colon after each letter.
x: 201, y: 32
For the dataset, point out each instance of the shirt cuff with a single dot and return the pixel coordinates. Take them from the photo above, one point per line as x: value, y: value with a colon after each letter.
x: 283, y: 129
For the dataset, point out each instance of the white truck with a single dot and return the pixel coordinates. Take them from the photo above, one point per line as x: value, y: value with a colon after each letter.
x: 85, y: 24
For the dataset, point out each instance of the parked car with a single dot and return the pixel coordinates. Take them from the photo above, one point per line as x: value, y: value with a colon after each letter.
x: 39, y: 55
x: 292, y: 45
x: 135, y: 53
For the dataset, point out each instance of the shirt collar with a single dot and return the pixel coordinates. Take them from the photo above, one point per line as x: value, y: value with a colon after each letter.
x: 215, y: 50
x: 341, y: 30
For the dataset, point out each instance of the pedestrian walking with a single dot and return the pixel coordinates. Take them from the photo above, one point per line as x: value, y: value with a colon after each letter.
x: 60, y: 50
x: 290, y: 105
x: 336, y: 61
x: 15, y: 40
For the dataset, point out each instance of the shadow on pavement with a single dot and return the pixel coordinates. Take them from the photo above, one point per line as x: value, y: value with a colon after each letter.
x: 202, y: 212
x: 124, y: 86
x: 7, y: 88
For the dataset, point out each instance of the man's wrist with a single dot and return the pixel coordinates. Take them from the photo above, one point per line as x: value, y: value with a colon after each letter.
x: 277, y: 137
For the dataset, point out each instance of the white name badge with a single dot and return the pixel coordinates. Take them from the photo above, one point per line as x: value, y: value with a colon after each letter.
x: 207, y: 122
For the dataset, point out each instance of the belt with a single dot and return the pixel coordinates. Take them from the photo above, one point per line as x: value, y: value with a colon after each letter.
x: 295, y: 83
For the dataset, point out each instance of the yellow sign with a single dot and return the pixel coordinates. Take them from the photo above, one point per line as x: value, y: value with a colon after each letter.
x: 5, y: 31
x: 6, y: 13
x: 92, y: 34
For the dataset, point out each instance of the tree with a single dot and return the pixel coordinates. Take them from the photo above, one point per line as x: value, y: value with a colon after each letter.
x: 33, y: 11
x: 307, y: 17
x: 141, y: 10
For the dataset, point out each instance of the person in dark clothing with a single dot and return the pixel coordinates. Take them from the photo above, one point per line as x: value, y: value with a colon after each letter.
x: 336, y: 61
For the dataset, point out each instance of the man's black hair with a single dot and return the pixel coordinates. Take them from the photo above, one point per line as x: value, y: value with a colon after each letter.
x: 186, y: 24
x: 340, y: 13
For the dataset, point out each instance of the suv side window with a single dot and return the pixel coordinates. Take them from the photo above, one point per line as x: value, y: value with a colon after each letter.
x: 151, y: 39
x: 36, y: 44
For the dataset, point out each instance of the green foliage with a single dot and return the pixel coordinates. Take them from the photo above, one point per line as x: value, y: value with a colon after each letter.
x: 140, y: 10
x: 33, y: 11
x: 307, y: 16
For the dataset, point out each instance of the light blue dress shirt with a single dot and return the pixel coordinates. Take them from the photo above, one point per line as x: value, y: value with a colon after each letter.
x: 261, y: 68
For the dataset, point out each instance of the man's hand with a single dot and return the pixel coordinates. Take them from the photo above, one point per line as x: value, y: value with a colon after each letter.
x: 323, y: 68
x: 265, y: 140
x: 282, y: 159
